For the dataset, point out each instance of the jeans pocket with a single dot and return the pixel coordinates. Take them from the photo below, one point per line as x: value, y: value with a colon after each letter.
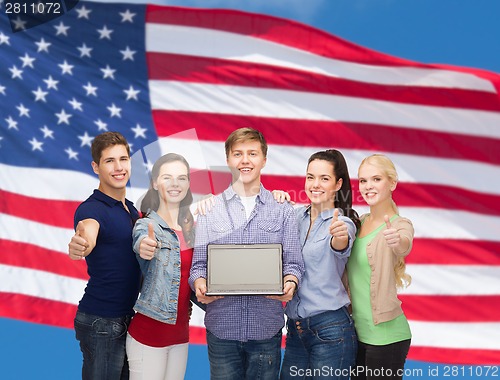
x: 333, y: 333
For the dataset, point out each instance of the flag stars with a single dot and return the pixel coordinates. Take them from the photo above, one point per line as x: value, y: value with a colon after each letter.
x: 84, y: 51
x: 127, y: 16
x: 131, y: 93
x: 91, y: 90
x: 104, y: 33
x: 72, y: 155
x: 19, y: 24
x: 86, y: 140
x: 43, y: 46
x: 102, y: 126
x: 23, y: 111
x: 63, y: 117
x: 139, y: 131
x: 128, y: 54
x: 114, y: 110
x: 108, y: 72
x: 4, y: 39
x: 16, y: 73
x: 27, y: 60
x: 36, y: 145
x: 75, y: 104
x: 51, y: 83
x: 12, y: 124
x: 47, y: 133
x: 61, y: 29
x: 1, y: 138
x: 2, y: 90
x: 66, y: 68
x: 83, y: 12
x: 40, y: 95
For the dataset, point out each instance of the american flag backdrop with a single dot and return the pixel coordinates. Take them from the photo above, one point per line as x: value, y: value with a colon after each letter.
x: 178, y: 79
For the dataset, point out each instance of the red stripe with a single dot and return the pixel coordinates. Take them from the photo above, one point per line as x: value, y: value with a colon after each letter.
x: 194, y: 69
x: 37, y: 310
x: 454, y: 252
x: 30, y: 256
x: 339, y: 135
x: 455, y: 356
x: 451, y: 308
x: 48, y: 211
x: 279, y: 30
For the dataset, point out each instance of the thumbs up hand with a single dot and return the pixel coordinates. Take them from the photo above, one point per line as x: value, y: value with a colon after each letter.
x: 78, y: 244
x: 148, y: 245
x: 391, y: 235
x: 338, y: 230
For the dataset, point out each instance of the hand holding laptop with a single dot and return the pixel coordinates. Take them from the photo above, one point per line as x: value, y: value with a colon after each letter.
x: 200, y: 287
x: 290, y: 283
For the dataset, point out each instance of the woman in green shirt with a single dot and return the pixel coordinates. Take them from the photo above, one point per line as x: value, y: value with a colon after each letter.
x: 375, y: 270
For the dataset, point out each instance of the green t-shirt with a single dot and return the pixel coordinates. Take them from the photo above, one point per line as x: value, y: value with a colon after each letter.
x: 359, y: 272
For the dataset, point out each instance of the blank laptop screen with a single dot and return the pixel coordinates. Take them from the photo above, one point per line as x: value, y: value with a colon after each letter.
x: 244, y: 269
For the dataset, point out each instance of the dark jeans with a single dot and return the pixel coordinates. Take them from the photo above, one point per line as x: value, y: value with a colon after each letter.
x: 320, y: 347
x: 381, y: 362
x: 252, y: 360
x: 102, y: 342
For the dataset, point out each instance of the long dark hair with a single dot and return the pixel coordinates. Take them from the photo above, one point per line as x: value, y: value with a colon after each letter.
x: 151, y: 201
x: 343, y: 197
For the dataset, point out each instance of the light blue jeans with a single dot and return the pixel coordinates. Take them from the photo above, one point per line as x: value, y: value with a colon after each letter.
x: 251, y: 360
x: 102, y: 342
x: 320, y: 347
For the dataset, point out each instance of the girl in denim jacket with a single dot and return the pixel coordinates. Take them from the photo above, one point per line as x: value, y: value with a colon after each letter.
x: 157, y: 341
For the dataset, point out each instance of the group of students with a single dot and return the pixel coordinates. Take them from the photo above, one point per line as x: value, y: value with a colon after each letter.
x: 341, y: 272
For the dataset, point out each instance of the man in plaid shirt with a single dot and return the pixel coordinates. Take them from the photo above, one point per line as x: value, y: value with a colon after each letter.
x: 244, y: 332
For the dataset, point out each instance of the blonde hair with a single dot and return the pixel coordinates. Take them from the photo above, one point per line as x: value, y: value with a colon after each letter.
x: 383, y: 163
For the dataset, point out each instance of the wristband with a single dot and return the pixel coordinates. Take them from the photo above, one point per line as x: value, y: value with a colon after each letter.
x: 296, y: 285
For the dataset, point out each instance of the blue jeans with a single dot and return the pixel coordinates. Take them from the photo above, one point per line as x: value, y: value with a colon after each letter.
x: 102, y: 342
x: 320, y: 347
x: 252, y: 360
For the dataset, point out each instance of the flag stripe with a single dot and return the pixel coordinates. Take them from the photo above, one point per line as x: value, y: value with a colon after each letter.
x: 37, y: 283
x: 31, y: 256
x: 444, y: 334
x: 194, y: 69
x: 39, y: 210
x: 314, y: 133
x: 36, y: 309
x: 263, y: 102
x: 458, y: 308
x: 229, y: 41
x: 453, y: 279
x: 455, y: 356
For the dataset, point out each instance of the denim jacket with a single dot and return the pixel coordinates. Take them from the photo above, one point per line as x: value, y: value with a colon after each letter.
x: 160, y: 289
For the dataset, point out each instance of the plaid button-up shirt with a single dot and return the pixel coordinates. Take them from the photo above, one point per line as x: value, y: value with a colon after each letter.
x: 244, y: 318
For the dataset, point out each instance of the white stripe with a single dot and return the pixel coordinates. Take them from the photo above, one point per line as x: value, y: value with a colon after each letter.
x: 41, y: 284
x: 58, y: 184
x: 484, y: 335
x: 39, y: 234
x: 453, y: 280
x: 283, y: 160
x: 290, y: 160
x: 284, y: 104
x: 219, y: 44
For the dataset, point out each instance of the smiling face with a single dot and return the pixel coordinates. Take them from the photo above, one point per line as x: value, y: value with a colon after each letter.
x: 321, y: 183
x: 375, y: 185
x: 172, y: 182
x: 113, y: 169
x: 246, y: 160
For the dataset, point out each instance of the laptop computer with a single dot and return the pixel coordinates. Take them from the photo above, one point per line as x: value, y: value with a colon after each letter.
x: 254, y: 269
